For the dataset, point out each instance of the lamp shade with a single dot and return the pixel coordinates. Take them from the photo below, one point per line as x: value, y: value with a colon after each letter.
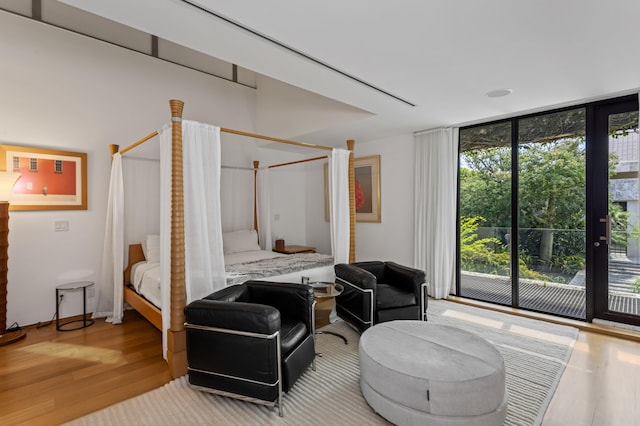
x: 7, y: 181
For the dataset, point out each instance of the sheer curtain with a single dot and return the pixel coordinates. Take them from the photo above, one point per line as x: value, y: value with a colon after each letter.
x: 110, y: 291
x: 339, y: 204
x: 264, y: 209
x: 436, y: 164
x: 204, y: 259
x: 141, y: 198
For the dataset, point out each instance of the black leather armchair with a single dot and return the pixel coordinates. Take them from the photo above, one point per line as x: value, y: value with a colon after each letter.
x: 251, y: 341
x: 380, y: 291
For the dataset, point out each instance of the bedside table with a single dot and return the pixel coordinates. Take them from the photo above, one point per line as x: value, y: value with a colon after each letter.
x: 295, y: 249
x: 81, y: 285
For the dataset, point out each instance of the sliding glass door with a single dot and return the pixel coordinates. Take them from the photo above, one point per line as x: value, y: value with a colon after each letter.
x: 485, y: 213
x: 549, y: 213
x: 615, y: 241
x: 522, y: 197
x: 551, y: 217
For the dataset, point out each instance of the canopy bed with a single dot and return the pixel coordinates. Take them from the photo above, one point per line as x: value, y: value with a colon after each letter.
x: 244, y: 260
x: 191, y: 255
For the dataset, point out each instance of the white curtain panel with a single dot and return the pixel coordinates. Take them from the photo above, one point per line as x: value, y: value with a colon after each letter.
x: 236, y: 198
x: 142, y: 197
x: 436, y: 165
x: 203, y: 228
x: 165, y: 231
x: 264, y: 210
x: 339, y: 204
x: 204, y: 258
x: 110, y: 293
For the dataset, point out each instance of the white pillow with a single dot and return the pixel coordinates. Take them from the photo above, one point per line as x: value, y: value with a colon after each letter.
x: 238, y: 241
x: 151, y: 248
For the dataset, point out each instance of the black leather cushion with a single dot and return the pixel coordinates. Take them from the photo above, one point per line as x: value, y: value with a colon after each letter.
x: 404, y: 277
x: 250, y: 317
x: 375, y: 267
x: 360, y: 277
x: 392, y: 297
x: 291, y: 299
x: 292, y: 332
x: 296, y: 362
x: 234, y: 293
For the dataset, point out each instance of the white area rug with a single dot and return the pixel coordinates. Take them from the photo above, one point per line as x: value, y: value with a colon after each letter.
x: 535, y: 356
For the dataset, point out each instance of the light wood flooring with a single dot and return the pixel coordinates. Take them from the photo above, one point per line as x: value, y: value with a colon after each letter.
x: 52, y: 377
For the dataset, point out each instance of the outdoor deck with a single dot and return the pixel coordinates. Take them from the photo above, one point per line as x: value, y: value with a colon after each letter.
x: 558, y: 299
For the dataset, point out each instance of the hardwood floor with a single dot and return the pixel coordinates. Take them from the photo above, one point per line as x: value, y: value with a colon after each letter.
x: 600, y: 386
x: 52, y: 377
x: 601, y: 383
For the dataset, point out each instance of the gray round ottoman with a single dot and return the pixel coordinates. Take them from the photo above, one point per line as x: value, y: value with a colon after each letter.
x: 415, y: 372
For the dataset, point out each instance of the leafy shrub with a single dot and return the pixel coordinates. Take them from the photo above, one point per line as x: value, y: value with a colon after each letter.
x: 488, y: 255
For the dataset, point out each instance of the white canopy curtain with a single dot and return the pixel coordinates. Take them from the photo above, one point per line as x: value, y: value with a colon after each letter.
x: 110, y: 291
x: 264, y: 209
x: 339, y: 204
x: 436, y: 164
x: 141, y: 180
x: 204, y: 258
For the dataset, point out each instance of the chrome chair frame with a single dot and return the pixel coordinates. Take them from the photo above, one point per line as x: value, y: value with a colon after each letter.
x: 278, y: 383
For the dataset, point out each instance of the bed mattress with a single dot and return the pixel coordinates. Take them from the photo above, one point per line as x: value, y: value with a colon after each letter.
x: 145, y: 279
x: 244, y: 266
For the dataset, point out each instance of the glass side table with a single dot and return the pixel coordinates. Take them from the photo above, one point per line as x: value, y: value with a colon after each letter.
x: 327, y: 291
x: 73, y: 287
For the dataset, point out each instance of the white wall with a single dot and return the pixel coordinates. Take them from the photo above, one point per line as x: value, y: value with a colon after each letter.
x: 318, y: 229
x: 64, y: 91
x: 287, y: 111
x: 393, y: 238
x: 287, y: 195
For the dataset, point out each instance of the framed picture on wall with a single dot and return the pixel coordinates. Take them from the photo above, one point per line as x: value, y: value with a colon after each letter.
x: 50, y: 179
x: 367, y: 172
x: 367, y: 182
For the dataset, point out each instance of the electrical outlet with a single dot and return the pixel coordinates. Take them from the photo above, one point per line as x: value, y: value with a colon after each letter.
x: 61, y: 226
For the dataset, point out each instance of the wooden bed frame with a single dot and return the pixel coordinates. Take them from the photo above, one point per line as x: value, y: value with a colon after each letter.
x: 176, y: 336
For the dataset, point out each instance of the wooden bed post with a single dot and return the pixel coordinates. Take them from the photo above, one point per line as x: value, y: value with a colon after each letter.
x: 352, y: 203
x: 256, y: 164
x: 176, y: 336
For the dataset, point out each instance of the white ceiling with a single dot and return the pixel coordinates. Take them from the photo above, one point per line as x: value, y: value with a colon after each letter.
x: 442, y: 56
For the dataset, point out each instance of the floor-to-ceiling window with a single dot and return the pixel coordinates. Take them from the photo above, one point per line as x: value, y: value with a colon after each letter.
x: 552, y: 212
x: 539, y: 201
x: 485, y: 212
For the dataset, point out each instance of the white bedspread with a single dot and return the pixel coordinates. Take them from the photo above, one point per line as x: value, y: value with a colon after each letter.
x: 244, y: 266
x: 249, y: 256
x: 145, y: 278
x: 276, y: 266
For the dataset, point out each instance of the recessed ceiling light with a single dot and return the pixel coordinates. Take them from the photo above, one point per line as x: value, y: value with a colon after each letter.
x: 498, y: 93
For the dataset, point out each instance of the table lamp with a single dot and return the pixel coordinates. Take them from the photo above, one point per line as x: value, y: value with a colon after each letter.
x: 7, y: 180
